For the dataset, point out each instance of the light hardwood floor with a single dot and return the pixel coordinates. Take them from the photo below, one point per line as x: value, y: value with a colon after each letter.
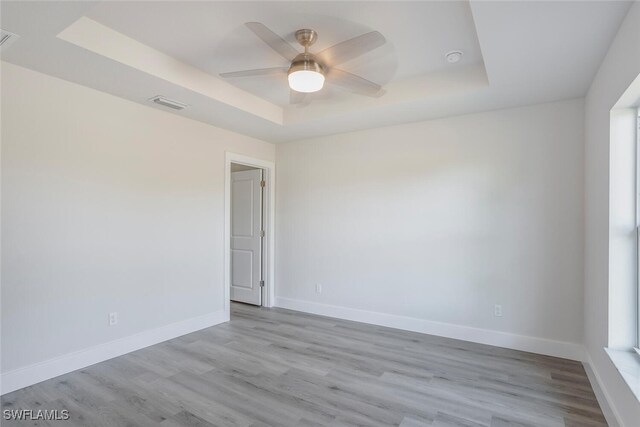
x: 273, y: 367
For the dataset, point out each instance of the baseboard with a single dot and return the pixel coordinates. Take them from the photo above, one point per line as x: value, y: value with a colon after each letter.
x: 466, y: 333
x: 609, y: 411
x: 32, y: 374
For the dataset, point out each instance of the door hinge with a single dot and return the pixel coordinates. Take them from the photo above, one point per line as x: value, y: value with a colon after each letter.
x: 262, y: 233
x: 262, y: 283
x: 263, y: 183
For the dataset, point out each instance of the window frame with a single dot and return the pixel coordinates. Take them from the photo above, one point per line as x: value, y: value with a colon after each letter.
x: 637, y: 346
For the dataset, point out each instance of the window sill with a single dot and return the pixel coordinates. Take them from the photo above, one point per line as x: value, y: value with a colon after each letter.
x: 627, y: 362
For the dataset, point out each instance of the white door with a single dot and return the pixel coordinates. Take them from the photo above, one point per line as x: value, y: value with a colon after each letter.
x: 246, y: 240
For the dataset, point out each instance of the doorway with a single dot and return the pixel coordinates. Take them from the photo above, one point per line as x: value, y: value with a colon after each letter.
x: 249, y: 231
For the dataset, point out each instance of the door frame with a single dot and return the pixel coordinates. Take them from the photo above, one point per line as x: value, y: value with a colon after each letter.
x: 268, y: 244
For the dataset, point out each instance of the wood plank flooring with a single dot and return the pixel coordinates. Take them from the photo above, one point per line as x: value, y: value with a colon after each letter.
x: 274, y: 367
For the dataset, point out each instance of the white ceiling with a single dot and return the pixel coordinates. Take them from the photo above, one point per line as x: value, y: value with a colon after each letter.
x: 516, y: 53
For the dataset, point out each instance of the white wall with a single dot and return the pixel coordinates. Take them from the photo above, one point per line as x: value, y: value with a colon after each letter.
x: 441, y: 220
x: 107, y: 205
x: 620, y: 67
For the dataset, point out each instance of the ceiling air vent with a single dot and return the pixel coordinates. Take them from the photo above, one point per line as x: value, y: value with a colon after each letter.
x: 174, y: 105
x: 7, y: 38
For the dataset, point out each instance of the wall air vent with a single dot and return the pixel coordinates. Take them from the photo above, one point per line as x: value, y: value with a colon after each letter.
x: 7, y: 38
x: 174, y: 105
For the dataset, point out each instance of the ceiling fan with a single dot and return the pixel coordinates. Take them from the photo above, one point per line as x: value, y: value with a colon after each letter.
x: 307, y: 71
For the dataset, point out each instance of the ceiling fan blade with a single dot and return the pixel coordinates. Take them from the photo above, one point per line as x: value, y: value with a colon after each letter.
x: 274, y: 41
x: 256, y: 72
x: 297, y: 98
x: 352, y: 48
x: 353, y: 83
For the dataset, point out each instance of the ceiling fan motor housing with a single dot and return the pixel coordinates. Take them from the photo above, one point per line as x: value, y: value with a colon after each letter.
x: 306, y: 62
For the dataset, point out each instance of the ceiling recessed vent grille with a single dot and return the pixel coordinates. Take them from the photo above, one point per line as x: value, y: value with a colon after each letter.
x: 169, y: 103
x: 6, y: 38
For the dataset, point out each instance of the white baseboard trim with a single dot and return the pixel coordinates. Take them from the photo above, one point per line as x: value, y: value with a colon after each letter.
x: 32, y: 374
x: 609, y: 411
x: 466, y: 333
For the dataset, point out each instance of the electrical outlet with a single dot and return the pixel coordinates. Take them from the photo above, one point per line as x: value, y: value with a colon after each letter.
x: 497, y: 310
x: 318, y: 288
x: 113, y: 318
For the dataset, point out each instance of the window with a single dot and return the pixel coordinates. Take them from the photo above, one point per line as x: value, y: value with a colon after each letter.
x: 624, y: 237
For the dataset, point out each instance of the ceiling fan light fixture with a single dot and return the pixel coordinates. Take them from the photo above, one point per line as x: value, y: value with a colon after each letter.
x: 306, y: 75
x: 306, y: 81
